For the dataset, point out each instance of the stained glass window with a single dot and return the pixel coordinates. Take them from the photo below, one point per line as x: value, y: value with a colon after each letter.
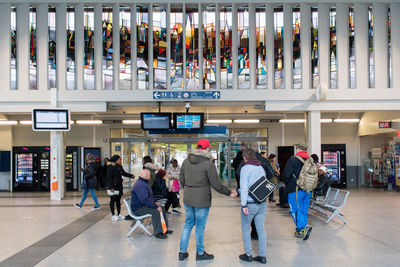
x: 226, y: 47
x: 13, y: 48
x: 89, y: 48
x: 352, y: 49
x: 371, y: 47
x: 71, y: 70
x: 261, y: 61
x: 176, y: 28
x: 314, y: 47
x: 278, y: 48
x: 142, y: 24
x: 209, y: 56
x: 160, y: 47
x: 125, y: 70
x: 243, y: 47
x: 333, y: 57
x: 108, y: 50
x: 32, y: 49
x: 192, y: 49
x: 296, y: 48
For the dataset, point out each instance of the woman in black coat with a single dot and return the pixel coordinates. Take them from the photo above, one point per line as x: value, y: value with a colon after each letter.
x: 115, y: 188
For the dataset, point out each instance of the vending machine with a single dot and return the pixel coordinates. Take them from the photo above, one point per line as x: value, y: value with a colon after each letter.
x: 334, y: 159
x: 74, y: 161
x: 31, y: 168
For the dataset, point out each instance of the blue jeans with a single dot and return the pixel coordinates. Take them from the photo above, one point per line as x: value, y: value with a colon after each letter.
x: 93, y: 193
x: 299, y: 208
x: 258, y: 212
x: 198, y: 217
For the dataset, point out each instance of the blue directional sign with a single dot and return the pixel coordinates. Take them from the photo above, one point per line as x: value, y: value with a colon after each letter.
x: 186, y: 95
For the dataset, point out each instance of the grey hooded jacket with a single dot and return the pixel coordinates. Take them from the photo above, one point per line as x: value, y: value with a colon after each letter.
x: 198, y: 174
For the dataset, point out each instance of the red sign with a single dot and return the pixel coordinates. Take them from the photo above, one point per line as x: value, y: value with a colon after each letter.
x: 385, y: 124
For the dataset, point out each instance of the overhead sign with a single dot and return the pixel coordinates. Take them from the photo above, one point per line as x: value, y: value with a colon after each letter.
x: 186, y: 95
x: 385, y: 124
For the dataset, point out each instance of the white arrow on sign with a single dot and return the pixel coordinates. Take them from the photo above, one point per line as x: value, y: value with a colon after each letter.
x: 156, y: 95
x: 216, y: 95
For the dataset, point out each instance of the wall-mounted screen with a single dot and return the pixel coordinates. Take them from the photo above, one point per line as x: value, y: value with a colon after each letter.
x: 50, y: 120
x: 156, y: 121
x: 188, y: 121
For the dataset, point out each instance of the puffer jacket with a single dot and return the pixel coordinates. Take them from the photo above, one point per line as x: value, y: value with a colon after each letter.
x: 198, y: 174
x: 152, y: 169
x: 89, y: 175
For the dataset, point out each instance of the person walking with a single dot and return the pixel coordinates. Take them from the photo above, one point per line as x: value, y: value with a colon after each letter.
x: 198, y: 174
x: 89, y: 182
x: 274, y: 179
x: 115, y: 171
x: 249, y: 174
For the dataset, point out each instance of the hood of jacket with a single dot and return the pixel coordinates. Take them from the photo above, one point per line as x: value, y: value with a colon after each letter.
x: 303, y: 154
x: 199, y: 155
x: 152, y: 166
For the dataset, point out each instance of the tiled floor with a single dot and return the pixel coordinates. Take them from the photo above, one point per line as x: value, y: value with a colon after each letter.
x: 371, y: 237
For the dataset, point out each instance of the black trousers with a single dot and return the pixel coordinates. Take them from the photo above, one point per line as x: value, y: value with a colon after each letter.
x: 116, y: 200
x: 172, y: 199
x: 155, y: 218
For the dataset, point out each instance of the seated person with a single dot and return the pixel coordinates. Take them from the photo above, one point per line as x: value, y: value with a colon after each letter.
x: 142, y: 203
x: 160, y: 190
x: 323, y: 183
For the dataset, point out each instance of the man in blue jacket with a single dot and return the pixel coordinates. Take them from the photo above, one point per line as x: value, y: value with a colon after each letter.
x: 142, y: 202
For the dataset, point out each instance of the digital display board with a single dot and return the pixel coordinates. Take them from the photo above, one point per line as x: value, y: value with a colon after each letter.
x: 50, y: 120
x: 156, y: 121
x: 188, y: 121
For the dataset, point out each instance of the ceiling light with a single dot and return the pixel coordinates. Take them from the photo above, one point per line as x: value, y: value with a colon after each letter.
x: 292, y: 121
x: 8, y: 122
x: 131, y: 121
x: 246, y: 121
x: 220, y: 121
x: 326, y: 120
x: 89, y: 122
x: 25, y: 122
x: 346, y: 120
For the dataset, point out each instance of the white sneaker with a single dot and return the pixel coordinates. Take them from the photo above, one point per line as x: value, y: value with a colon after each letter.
x: 121, y: 217
x: 114, y: 218
x: 176, y: 211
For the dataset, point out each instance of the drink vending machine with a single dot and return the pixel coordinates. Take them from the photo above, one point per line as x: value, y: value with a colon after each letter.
x: 74, y: 161
x: 334, y: 159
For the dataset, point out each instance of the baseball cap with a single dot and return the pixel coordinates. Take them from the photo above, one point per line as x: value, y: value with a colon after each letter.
x: 203, y: 144
x: 301, y: 146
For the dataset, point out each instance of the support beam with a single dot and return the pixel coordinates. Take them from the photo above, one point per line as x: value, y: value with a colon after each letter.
x: 314, y: 132
x: 324, y: 44
x: 134, y: 67
x: 269, y: 44
x: 200, y: 46
x: 61, y: 40
x: 218, y: 46
x: 23, y: 46
x: 42, y: 49
x: 381, y: 66
x: 79, y: 46
x: 288, y: 44
x: 98, y: 47
x: 150, y: 51
x: 252, y: 46
x: 342, y: 45
x: 235, y: 62
x: 361, y: 45
x: 305, y: 46
x: 5, y: 44
x: 168, y: 60
x: 395, y: 20
x: 116, y: 45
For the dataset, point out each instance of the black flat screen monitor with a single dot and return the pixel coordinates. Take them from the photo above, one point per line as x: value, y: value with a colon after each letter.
x: 50, y: 120
x: 156, y: 121
x: 188, y: 121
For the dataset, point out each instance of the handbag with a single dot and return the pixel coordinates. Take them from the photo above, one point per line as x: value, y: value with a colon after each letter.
x: 261, y: 189
x: 176, y: 186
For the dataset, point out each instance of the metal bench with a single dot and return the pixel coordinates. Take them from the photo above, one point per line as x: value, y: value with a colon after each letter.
x: 138, y: 219
x: 334, y: 201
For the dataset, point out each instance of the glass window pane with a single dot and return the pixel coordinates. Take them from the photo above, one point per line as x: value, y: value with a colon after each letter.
x: 333, y: 58
x: 142, y: 22
x: 371, y: 47
x: 243, y: 47
x: 261, y: 61
x: 352, y: 49
x: 192, y: 48
x: 32, y: 49
x: 160, y: 47
x: 226, y: 47
x: 89, y: 48
x: 314, y: 47
x: 296, y: 48
x: 176, y: 28
x: 278, y: 48
x: 209, y: 56
x: 390, y: 48
x: 125, y: 70
x: 71, y: 70
x: 108, y: 51
x: 13, y: 48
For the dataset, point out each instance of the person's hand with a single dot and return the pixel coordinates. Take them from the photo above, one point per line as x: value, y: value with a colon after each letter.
x: 245, y: 211
x: 112, y: 190
x: 233, y: 194
x: 159, y: 209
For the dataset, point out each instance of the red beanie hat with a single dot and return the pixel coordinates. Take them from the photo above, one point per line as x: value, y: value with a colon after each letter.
x: 161, y: 173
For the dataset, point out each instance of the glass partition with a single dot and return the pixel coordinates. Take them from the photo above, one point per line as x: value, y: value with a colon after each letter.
x: 13, y: 31
x: 278, y: 48
x: 142, y: 22
x: 160, y: 47
x: 296, y: 48
x: 225, y: 33
x: 243, y: 47
x: 261, y: 60
x: 209, y: 51
x: 125, y: 70
x: 333, y: 58
x: 71, y: 70
x: 192, y: 48
x: 89, y: 48
x: 314, y: 47
x: 32, y: 49
x: 108, y: 51
x: 176, y: 28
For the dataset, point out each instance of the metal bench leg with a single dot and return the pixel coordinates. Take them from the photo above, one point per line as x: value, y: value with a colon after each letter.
x: 331, y: 217
x: 341, y: 217
x: 132, y: 229
x: 145, y: 228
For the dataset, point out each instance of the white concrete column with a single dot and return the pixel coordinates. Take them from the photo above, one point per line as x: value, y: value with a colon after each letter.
x: 5, y: 44
x: 116, y: 45
x: 395, y: 20
x: 380, y: 13
x: 288, y: 44
x: 98, y: 46
x: 184, y: 48
x: 361, y: 45
x: 168, y: 46
x: 79, y: 46
x: 42, y: 49
x: 134, y: 47
x: 252, y: 46
x: 324, y: 44
x: 218, y: 46
x: 314, y: 132
x: 23, y: 46
x: 342, y: 45
x: 235, y: 62
x: 269, y: 44
x: 150, y: 51
x: 200, y: 45
x: 305, y: 46
x: 61, y: 40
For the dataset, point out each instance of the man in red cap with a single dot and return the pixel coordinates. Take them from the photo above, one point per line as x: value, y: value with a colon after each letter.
x: 198, y: 174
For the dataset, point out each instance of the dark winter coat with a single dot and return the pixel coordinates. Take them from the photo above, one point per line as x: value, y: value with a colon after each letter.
x: 266, y: 165
x: 198, y: 175
x: 89, y: 175
x: 322, y: 186
x: 293, y: 166
x: 159, y: 187
x: 114, y: 176
x: 142, y: 196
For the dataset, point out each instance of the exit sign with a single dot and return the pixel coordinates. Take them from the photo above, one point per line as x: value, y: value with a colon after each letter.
x: 385, y: 124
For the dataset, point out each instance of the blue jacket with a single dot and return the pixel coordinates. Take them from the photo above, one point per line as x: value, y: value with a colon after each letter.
x: 142, y: 196
x: 249, y: 174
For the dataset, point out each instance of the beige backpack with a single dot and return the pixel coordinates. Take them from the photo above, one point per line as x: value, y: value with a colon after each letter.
x: 308, y: 178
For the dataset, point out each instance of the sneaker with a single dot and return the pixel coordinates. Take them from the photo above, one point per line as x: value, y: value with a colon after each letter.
x: 121, y: 217
x: 260, y: 259
x: 114, y: 218
x: 307, y: 231
x: 245, y: 257
x: 77, y: 205
x: 96, y: 208
x: 204, y: 256
x: 161, y: 236
x: 183, y: 255
x: 169, y: 232
x: 168, y: 212
x: 175, y: 211
x: 299, y: 234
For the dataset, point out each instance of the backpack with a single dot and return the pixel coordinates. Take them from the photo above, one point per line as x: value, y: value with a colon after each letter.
x: 308, y: 178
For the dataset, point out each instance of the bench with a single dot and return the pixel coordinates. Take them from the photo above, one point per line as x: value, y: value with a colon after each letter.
x: 334, y: 201
x: 138, y: 219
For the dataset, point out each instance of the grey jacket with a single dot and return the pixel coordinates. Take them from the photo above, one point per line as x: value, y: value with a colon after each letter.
x: 198, y: 174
